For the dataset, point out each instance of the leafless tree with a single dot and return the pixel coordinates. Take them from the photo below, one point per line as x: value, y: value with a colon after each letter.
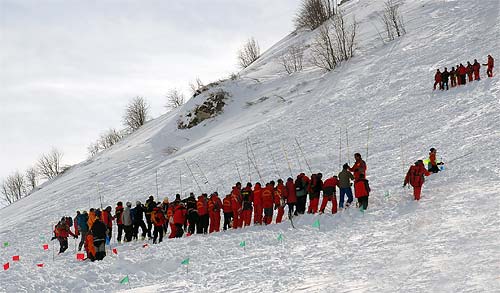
x: 175, y: 99
x: 93, y: 149
x: 335, y: 42
x: 13, y: 188
x: 109, y: 139
x: 136, y: 114
x: 248, y: 53
x: 292, y: 59
x: 49, y: 165
x: 313, y: 13
x: 392, y: 19
x: 197, y: 87
x: 31, y: 178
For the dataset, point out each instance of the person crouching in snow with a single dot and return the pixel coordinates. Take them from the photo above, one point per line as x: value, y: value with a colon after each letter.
x: 62, y: 232
x: 329, y: 194
x: 415, y: 177
x: 362, y: 191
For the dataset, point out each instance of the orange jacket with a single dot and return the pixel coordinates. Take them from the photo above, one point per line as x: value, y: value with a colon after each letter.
x: 279, y: 193
x: 432, y: 159
x: 358, y: 168
x: 202, y: 205
x: 158, y: 217
x: 214, y: 204
x: 268, y: 197
x: 415, y: 175
x: 180, y: 213
x: 236, y: 199
x: 226, y: 205
x: 91, y: 219
x: 257, y: 195
x: 361, y: 188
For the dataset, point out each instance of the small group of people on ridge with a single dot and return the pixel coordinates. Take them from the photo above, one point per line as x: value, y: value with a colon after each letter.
x: 415, y: 175
x: 458, y: 75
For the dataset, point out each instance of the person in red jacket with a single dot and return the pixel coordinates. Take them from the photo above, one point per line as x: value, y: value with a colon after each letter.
x: 437, y: 79
x: 330, y: 194
x: 453, y: 77
x: 268, y: 202
x: 476, y: 68
x: 279, y: 200
x: 119, y: 220
x: 214, y: 207
x: 61, y: 232
x: 202, y: 205
x: 462, y: 74
x: 415, y: 177
x: 359, y: 166
x: 236, y: 205
x: 470, y: 71
x: 490, y: 64
x: 433, y: 163
x: 180, y: 213
x: 257, y: 204
x: 170, y: 218
x: 314, y: 188
x: 362, y: 191
x: 247, y: 198
x: 228, y: 211
x: 158, y: 219
x: 290, y: 196
x: 107, y: 219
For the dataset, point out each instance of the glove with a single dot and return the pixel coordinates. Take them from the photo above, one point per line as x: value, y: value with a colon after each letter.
x: 53, y: 238
x: 75, y: 237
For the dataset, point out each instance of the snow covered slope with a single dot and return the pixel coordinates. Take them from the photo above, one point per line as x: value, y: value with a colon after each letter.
x: 448, y: 242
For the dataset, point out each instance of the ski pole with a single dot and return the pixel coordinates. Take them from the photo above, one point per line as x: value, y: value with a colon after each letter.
x: 156, y: 178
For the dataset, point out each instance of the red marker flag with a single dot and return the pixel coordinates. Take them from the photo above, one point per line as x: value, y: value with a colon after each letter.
x: 145, y: 245
x: 6, y: 266
x: 45, y: 247
x: 115, y: 251
x: 15, y: 258
x: 40, y: 265
x: 80, y: 256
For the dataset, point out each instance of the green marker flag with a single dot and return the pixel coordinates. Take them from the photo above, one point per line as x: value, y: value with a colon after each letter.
x: 280, y: 237
x: 124, y: 280
x: 185, y: 262
x: 5, y: 244
x: 316, y: 224
x: 387, y: 194
x: 243, y: 244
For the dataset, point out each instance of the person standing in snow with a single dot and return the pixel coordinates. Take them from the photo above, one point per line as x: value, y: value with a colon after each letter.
x: 476, y: 68
x: 329, y: 194
x: 301, y: 183
x: 444, y: 77
x: 257, y: 204
x: 192, y: 213
x: 119, y: 220
x: 470, y: 71
x: 214, y: 208
x: 290, y: 196
x: 228, y: 211
x: 107, y: 219
x: 139, y: 221
x: 83, y: 228
x: 149, y: 206
x: 490, y: 63
x: 203, y: 222
x: 127, y: 222
x: 180, y: 213
x: 462, y: 74
x: 236, y: 204
x: 247, y: 198
x: 314, y: 189
x: 98, y: 232
x: 61, y: 232
x: 345, y: 177
x: 158, y: 219
x: 279, y: 201
x: 359, y: 166
x: 362, y: 191
x: 268, y: 202
x: 453, y: 77
x: 415, y: 177
x: 437, y: 79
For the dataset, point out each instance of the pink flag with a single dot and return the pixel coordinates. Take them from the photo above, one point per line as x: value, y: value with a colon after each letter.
x: 115, y: 251
x: 40, y: 265
x: 45, y: 247
x: 15, y: 258
x: 80, y: 256
x: 6, y: 266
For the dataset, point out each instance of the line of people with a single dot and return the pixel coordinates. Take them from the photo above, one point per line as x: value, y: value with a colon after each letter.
x: 458, y: 75
x: 202, y: 215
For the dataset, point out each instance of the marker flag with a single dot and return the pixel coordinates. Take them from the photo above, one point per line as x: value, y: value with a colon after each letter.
x: 40, y: 265
x: 243, y: 244
x: 15, y: 258
x: 6, y: 266
x: 316, y: 224
x: 45, y: 247
x: 80, y: 256
x: 124, y: 280
x: 185, y: 261
x: 115, y: 251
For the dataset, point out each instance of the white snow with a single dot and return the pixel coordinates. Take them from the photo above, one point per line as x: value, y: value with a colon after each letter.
x: 447, y: 242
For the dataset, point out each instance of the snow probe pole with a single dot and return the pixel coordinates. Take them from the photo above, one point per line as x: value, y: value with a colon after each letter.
x: 303, y: 155
x: 287, y: 160
x: 298, y: 159
x: 274, y: 161
x: 99, y: 194
x: 180, y: 179
x: 238, y: 170
x: 460, y: 157
x: 254, y: 159
x: 156, y: 178
x: 194, y: 178
x: 202, y: 173
x: 347, y: 145
x: 249, y: 163
x: 340, y: 147
x: 368, y: 140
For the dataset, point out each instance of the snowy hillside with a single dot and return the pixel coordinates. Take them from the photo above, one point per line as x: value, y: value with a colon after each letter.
x: 447, y: 242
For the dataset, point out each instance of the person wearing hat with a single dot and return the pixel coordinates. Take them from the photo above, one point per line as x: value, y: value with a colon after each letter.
x: 127, y: 222
x: 139, y: 221
x: 119, y: 220
x: 83, y: 227
x: 415, y: 177
x: 433, y: 163
x: 214, y: 208
x: 490, y: 63
x: 345, y: 177
x: 107, y: 219
x: 149, y: 206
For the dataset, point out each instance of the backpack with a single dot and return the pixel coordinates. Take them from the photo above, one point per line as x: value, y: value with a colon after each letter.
x: 69, y: 220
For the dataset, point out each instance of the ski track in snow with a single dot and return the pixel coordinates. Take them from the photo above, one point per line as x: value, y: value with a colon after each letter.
x: 447, y: 242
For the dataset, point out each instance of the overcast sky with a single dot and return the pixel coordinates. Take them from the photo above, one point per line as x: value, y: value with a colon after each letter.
x: 68, y: 68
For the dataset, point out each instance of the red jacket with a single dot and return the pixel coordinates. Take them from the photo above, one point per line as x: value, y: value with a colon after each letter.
x: 331, y: 182
x: 61, y: 230
x: 279, y: 193
x: 226, y: 205
x: 462, y: 70
x: 257, y: 195
x: 476, y: 66
x: 415, y: 175
x: 118, y: 215
x: 202, y: 205
x: 358, y: 168
x: 268, y: 197
x: 107, y: 219
x: 361, y: 188
x: 158, y: 217
x: 437, y: 77
x: 491, y: 62
x: 214, y: 204
x: 180, y: 213
x: 290, y: 194
x: 236, y: 199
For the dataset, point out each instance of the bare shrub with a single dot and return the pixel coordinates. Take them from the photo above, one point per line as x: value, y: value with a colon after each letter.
x: 31, y: 176
x: 313, y: 13
x: 49, y: 165
x: 109, y: 138
x: 335, y: 42
x: 292, y: 59
x: 13, y: 188
x: 248, y: 53
x: 93, y: 149
x: 392, y: 20
x: 197, y: 87
x: 136, y: 114
x: 175, y: 99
